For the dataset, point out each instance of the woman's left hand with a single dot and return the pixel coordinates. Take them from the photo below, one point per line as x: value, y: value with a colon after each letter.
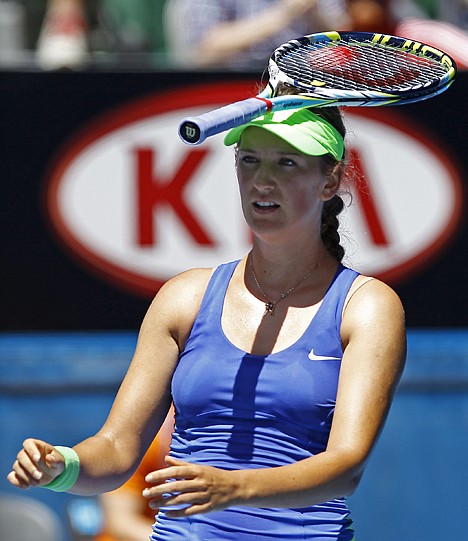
x: 185, y: 489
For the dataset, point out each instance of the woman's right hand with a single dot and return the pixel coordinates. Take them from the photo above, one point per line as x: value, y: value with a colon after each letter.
x: 37, y: 464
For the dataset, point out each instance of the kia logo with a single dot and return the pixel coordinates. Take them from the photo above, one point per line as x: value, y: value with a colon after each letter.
x: 137, y: 206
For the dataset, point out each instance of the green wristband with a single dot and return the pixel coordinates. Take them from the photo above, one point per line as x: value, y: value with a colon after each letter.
x: 68, y: 477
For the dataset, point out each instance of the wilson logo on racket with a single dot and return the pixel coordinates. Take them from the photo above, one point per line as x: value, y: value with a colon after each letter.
x: 192, y: 133
x: 337, y: 68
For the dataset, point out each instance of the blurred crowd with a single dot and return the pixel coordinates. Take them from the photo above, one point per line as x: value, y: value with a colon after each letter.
x: 201, y: 34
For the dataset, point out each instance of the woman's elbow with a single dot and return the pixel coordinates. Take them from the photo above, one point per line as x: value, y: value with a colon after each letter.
x: 353, y: 483
x: 354, y: 470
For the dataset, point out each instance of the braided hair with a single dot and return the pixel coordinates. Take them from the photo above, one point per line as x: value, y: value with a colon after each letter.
x: 333, y: 207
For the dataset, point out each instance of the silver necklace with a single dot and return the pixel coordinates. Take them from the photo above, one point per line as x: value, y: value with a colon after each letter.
x: 271, y: 305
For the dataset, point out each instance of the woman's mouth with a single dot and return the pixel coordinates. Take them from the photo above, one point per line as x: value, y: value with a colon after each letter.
x: 265, y: 205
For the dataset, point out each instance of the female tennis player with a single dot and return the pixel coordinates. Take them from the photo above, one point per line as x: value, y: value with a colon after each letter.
x: 282, y: 365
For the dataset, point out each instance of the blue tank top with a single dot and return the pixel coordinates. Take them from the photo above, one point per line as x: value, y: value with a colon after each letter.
x: 237, y: 410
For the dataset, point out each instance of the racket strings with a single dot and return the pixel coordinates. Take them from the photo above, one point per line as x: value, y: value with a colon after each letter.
x: 358, y: 66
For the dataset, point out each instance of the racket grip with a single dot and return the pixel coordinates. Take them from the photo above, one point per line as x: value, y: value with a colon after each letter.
x: 194, y: 130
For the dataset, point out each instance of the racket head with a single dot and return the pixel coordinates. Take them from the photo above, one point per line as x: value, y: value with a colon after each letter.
x: 336, y: 69
x: 361, y: 65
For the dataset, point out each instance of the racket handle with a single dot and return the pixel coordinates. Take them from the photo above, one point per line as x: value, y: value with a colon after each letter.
x: 194, y: 130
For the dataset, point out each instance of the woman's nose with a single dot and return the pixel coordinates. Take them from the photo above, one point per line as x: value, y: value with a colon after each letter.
x: 263, y: 179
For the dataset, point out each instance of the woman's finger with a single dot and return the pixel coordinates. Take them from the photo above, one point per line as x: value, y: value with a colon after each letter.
x: 26, y: 466
x: 21, y: 477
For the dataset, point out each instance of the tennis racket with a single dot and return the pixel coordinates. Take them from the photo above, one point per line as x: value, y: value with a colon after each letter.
x: 336, y: 68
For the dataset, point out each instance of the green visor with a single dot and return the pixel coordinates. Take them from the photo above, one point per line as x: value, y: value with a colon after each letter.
x: 301, y: 128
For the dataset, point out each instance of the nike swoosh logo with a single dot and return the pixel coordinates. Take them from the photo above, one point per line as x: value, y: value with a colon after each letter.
x: 314, y: 357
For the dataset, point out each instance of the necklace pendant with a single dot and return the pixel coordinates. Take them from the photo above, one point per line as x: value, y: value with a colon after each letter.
x: 269, y: 308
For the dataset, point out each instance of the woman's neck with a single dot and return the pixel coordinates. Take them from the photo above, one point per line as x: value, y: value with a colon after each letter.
x: 278, y: 268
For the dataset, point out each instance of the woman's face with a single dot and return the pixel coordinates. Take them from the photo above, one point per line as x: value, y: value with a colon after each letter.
x: 281, y: 188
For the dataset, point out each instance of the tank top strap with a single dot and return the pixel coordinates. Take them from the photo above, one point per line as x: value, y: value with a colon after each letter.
x: 213, y: 299
x: 324, y: 330
x: 335, y: 297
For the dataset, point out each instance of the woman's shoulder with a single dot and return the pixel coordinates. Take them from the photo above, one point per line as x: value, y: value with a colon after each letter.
x: 186, y: 289
x: 370, y: 300
x: 368, y: 288
x: 178, y: 301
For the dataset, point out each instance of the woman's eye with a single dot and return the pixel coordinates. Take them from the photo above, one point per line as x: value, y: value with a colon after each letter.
x: 248, y: 159
x: 288, y: 162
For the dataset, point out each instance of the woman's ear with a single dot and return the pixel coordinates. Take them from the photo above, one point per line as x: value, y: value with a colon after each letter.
x: 333, y: 181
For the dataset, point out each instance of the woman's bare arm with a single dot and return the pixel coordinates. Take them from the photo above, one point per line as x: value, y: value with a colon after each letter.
x: 109, y: 457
